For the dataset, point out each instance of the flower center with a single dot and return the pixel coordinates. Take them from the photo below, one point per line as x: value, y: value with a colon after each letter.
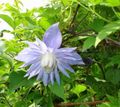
x: 48, y: 62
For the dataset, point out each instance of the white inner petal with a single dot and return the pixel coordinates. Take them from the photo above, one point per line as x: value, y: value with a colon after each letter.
x: 48, y: 61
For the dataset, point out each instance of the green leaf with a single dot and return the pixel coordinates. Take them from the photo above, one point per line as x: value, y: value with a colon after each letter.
x: 8, y: 59
x: 89, y: 42
x: 112, y: 3
x: 68, y: 2
x: 78, y: 89
x: 97, y: 25
x: 107, y: 30
x: 58, y: 90
x: 20, y: 104
x: 17, y: 80
x: 114, y: 102
x: 113, y: 75
x: 8, y: 20
x: 95, y: 2
x: 114, y: 60
x: 2, y: 105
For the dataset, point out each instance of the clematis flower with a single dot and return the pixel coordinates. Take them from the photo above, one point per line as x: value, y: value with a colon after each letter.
x: 46, y: 59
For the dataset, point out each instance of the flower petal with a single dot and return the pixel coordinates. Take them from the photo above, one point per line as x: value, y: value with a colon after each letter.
x: 32, y: 45
x: 33, y: 70
x: 40, y: 75
x: 52, y: 77
x: 52, y: 37
x: 71, y: 58
x: 62, y: 69
x: 69, y: 55
x: 65, y: 50
x: 67, y: 66
x: 30, y: 61
x: 57, y: 77
x: 71, y: 61
x: 26, y: 55
x: 42, y: 45
x: 45, y: 78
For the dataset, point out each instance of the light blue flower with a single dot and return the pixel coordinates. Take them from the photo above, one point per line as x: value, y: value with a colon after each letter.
x: 47, y: 59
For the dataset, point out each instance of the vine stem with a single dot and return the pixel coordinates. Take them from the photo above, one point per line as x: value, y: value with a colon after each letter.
x: 78, y: 104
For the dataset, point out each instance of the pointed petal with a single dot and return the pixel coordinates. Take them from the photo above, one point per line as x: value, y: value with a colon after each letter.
x: 40, y: 75
x: 69, y: 55
x: 66, y: 49
x: 61, y: 68
x: 42, y: 45
x: 52, y: 77
x: 32, y: 45
x: 34, y: 72
x: 27, y: 55
x: 71, y: 62
x: 67, y: 66
x: 71, y: 58
x: 45, y: 78
x: 52, y: 37
x: 57, y: 77
x: 31, y: 61
x: 32, y: 68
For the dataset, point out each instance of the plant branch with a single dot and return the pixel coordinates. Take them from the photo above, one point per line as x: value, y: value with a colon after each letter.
x: 78, y: 104
x: 76, y: 11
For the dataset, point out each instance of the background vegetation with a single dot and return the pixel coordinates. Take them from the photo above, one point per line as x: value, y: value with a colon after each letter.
x: 93, y: 26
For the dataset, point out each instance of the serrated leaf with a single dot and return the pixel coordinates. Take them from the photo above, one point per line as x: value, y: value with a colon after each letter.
x: 89, y: 42
x: 8, y: 20
x: 107, y: 30
x: 58, y: 90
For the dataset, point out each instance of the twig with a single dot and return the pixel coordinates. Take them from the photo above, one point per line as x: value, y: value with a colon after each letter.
x: 78, y: 104
x: 78, y: 6
x: 113, y: 42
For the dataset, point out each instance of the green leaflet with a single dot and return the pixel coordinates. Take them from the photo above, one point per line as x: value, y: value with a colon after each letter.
x: 90, y: 41
x: 107, y: 30
x: 8, y: 20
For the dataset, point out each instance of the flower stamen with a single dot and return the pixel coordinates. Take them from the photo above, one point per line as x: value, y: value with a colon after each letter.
x: 48, y: 61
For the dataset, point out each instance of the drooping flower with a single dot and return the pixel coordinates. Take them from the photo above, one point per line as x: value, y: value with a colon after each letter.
x: 46, y: 59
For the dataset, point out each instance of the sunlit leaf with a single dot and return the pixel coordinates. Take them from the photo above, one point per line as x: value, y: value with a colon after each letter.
x: 78, y: 89
x: 90, y: 41
x: 8, y: 20
x: 107, y: 30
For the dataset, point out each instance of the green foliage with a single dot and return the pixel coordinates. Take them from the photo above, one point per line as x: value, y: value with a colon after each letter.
x: 93, y: 26
x: 78, y: 89
x: 90, y: 41
x: 17, y: 80
x: 7, y: 19
x: 107, y: 30
x: 58, y: 90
